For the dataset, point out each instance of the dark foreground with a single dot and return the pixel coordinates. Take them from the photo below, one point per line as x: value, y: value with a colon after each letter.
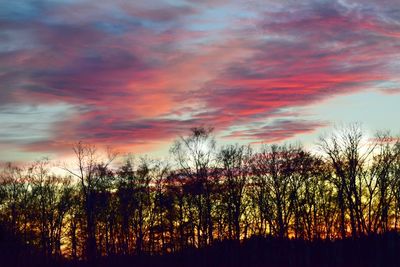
x: 379, y: 250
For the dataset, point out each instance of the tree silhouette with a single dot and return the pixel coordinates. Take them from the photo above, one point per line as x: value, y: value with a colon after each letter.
x: 230, y: 199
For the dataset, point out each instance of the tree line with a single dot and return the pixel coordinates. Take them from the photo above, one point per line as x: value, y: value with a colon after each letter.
x: 347, y: 188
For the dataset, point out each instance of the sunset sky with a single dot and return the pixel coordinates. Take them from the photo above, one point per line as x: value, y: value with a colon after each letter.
x: 136, y: 74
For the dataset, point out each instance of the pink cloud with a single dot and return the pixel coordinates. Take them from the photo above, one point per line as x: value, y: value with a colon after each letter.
x: 143, y: 74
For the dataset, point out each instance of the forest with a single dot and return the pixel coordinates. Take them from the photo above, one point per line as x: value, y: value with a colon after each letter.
x: 267, y: 205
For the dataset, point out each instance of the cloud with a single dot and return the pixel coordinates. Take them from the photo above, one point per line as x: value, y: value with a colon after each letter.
x: 139, y: 73
x: 303, y: 56
x: 278, y: 131
x: 392, y: 91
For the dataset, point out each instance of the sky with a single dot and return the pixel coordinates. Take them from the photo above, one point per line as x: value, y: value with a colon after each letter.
x: 135, y: 75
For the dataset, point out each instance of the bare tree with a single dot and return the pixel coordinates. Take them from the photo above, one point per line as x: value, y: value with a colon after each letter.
x: 194, y: 155
x: 276, y: 196
x: 235, y: 164
x: 50, y: 194
x: 348, y: 155
x: 15, y: 192
x: 88, y: 164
